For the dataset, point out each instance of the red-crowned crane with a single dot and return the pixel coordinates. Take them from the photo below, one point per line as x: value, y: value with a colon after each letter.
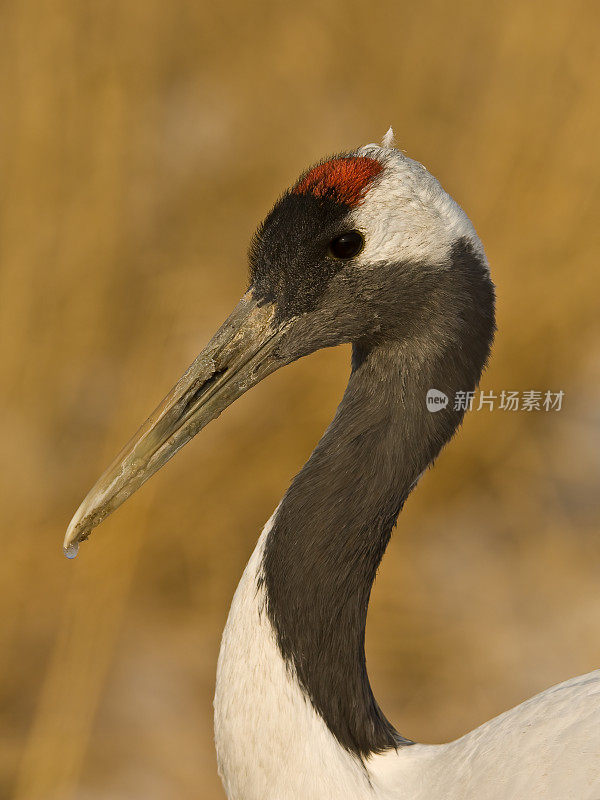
x: 365, y: 248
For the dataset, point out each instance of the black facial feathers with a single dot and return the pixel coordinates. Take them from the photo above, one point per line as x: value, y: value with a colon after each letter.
x: 289, y: 260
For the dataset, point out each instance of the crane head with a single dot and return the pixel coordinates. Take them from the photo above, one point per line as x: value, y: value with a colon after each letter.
x: 365, y: 247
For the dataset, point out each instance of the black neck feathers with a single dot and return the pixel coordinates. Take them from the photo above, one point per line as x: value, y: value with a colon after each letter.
x: 334, y: 522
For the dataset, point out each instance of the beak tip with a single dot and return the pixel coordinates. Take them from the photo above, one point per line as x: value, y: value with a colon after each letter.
x: 76, y: 532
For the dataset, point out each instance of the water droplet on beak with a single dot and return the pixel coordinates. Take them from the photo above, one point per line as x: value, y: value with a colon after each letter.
x: 71, y: 550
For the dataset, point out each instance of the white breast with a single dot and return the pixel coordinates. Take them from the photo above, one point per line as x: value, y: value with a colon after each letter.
x: 272, y: 745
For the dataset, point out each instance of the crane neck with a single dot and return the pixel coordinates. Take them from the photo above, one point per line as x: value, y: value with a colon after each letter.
x: 334, y: 522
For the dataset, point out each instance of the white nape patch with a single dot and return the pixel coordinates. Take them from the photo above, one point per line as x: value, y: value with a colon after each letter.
x: 271, y: 744
x: 388, y: 139
x: 407, y: 215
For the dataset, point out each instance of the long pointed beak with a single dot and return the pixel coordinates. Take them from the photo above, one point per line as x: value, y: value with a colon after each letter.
x: 240, y: 354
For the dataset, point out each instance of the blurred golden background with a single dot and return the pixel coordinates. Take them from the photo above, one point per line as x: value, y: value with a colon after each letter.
x: 141, y: 144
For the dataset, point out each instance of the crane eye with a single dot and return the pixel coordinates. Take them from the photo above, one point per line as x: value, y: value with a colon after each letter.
x: 347, y: 245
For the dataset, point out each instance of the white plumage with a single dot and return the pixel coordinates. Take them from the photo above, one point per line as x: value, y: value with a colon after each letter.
x: 271, y: 744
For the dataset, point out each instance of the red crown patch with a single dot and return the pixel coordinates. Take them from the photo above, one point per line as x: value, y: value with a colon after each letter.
x: 347, y: 179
